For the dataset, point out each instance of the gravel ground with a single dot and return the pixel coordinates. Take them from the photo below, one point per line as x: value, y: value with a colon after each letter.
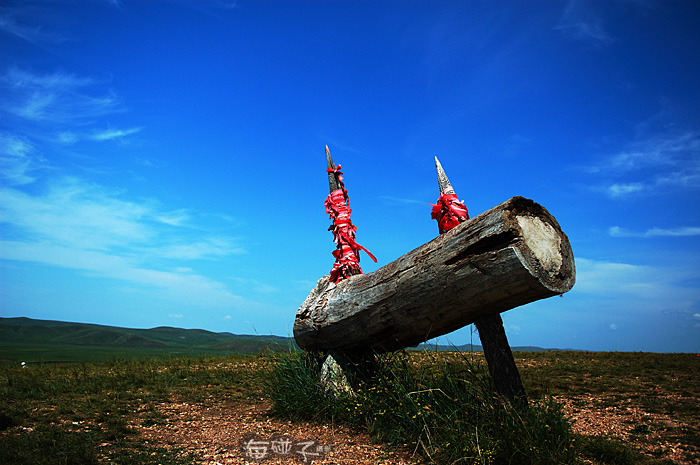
x: 219, y: 435
x: 223, y: 434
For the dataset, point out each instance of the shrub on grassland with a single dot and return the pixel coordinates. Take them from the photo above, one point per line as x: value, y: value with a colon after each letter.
x: 442, y: 407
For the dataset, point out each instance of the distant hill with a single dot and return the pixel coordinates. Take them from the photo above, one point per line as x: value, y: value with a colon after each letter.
x: 48, y: 341
x: 477, y: 348
x: 26, y: 339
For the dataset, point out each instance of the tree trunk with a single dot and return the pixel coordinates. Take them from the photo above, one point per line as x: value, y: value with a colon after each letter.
x: 510, y: 255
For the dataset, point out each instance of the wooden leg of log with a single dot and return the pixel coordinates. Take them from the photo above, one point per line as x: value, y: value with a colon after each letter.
x: 499, y: 357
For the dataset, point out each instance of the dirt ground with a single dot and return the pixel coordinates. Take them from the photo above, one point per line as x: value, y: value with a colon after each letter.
x: 243, y: 433
x: 223, y: 435
x: 588, y: 417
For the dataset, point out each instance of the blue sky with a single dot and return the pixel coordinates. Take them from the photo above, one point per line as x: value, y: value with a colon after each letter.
x: 163, y: 161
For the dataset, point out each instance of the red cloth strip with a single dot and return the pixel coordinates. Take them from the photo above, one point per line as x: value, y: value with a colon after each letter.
x: 347, y: 253
x: 449, y: 212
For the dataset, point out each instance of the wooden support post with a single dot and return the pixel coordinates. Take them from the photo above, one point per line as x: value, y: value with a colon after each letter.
x: 492, y: 334
x: 504, y: 372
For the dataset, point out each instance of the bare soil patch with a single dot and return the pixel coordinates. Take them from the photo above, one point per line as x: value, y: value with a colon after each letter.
x: 217, y: 433
x: 650, y: 433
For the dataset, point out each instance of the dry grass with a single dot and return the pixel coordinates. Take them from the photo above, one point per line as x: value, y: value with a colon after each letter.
x: 198, y: 410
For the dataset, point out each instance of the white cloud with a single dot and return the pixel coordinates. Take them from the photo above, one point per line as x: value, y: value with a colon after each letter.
x: 18, y: 159
x: 616, y: 231
x: 208, y: 248
x: 110, y: 134
x: 658, y: 151
x: 55, y: 98
x: 403, y: 201
x: 68, y: 137
x: 514, y: 330
x: 77, y: 214
x: 86, y: 216
x: 187, y: 288
x: 71, y: 137
x: 580, y: 22
x: 176, y: 218
x: 613, y: 326
x: 665, y: 160
x: 256, y: 286
x: 85, y: 227
x: 623, y: 281
x: 617, y: 190
x: 33, y: 34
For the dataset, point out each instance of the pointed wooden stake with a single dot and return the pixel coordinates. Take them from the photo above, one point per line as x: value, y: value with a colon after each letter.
x: 333, y: 183
x: 499, y: 357
x: 443, y: 182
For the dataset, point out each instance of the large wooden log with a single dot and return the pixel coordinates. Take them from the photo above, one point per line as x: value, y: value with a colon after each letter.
x: 508, y: 256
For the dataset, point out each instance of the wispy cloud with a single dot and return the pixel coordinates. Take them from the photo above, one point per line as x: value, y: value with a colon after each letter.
x: 630, y: 291
x: 402, y: 201
x: 256, y: 286
x: 71, y: 137
x: 55, y: 98
x: 111, y: 134
x: 580, y: 22
x: 618, y: 190
x: 659, y: 151
x: 616, y: 231
x: 208, y: 5
x: 82, y: 226
x: 175, y: 218
x: 18, y: 159
x: 207, y: 248
x: 654, y: 289
x: 34, y: 34
x: 663, y: 161
x: 187, y: 288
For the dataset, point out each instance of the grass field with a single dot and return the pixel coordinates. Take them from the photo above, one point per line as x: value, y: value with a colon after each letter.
x: 622, y: 407
x: 47, y: 341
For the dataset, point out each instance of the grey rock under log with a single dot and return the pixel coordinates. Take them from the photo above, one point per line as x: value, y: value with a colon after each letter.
x: 510, y: 255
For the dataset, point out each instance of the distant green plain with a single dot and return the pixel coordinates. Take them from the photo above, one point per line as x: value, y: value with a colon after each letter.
x: 45, y: 341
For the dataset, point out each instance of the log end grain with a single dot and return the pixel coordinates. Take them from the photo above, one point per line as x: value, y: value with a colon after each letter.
x: 543, y: 247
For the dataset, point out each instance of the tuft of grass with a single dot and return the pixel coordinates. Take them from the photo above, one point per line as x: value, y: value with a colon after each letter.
x: 443, y: 408
x: 609, y: 451
x: 48, y: 445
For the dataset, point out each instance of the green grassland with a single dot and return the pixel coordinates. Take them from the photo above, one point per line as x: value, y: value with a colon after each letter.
x: 438, y: 404
x: 45, y: 341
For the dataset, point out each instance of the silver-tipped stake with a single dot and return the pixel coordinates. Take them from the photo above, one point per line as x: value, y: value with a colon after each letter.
x: 333, y: 183
x: 443, y: 182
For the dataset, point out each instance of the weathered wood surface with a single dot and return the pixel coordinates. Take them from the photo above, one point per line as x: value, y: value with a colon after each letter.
x: 508, y: 256
x: 499, y: 358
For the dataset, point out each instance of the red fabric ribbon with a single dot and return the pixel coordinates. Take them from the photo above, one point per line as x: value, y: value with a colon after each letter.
x: 347, y: 253
x: 449, y: 212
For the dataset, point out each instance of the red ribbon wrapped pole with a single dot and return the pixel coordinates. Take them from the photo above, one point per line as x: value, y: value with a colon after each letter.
x: 449, y: 212
x: 347, y: 252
